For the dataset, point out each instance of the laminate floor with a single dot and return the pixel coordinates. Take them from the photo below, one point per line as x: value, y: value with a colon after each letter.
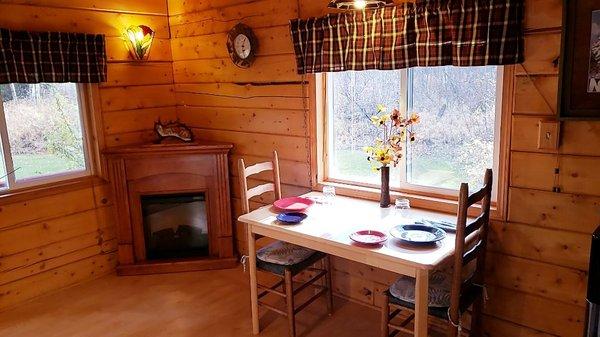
x: 211, y: 303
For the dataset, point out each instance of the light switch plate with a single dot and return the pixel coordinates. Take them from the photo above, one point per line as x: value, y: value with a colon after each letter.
x: 548, y: 135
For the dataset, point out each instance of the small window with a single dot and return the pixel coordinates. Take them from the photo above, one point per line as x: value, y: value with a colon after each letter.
x: 456, y: 139
x: 42, y: 134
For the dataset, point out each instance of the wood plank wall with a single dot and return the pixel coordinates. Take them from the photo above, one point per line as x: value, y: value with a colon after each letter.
x: 538, y: 256
x: 67, y: 236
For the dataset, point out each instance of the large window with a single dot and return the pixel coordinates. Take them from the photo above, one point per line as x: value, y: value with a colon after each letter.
x: 456, y: 140
x: 42, y: 134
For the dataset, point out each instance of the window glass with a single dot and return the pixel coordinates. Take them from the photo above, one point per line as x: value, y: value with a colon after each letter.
x: 455, y: 140
x: 44, y: 128
x: 353, y: 97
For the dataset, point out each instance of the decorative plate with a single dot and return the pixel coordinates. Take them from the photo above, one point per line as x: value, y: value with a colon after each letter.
x: 291, y: 218
x: 418, y: 234
x: 293, y: 204
x: 368, y: 237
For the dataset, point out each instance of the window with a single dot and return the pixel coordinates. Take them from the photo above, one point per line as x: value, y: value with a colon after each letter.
x: 456, y: 140
x: 42, y: 134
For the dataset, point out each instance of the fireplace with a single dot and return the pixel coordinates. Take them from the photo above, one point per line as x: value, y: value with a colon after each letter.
x: 173, y: 207
x: 175, y: 226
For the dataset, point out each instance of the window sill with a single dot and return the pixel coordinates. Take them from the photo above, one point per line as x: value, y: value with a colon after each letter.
x: 432, y: 203
x: 40, y: 191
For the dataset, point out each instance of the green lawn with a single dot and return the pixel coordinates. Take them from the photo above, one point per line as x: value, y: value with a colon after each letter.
x: 31, y: 165
x: 426, y: 171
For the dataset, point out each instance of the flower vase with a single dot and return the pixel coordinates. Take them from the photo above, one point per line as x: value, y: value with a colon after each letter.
x: 384, y: 200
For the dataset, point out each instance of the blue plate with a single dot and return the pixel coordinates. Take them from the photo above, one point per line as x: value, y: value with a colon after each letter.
x: 418, y: 234
x: 291, y: 218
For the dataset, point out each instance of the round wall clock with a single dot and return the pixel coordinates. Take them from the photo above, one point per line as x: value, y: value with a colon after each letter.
x: 242, y: 45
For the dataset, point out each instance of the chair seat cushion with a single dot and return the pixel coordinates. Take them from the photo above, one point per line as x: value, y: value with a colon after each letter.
x: 283, y: 253
x: 440, y: 284
x: 301, y: 259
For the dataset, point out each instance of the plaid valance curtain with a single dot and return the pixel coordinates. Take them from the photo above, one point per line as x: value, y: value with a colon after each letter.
x: 426, y: 33
x: 28, y: 57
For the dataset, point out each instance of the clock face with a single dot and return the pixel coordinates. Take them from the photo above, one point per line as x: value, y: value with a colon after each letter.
x: 242, y: 46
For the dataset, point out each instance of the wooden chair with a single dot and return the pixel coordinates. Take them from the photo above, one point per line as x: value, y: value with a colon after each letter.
x: 464, y: 292
x: 284, y: 271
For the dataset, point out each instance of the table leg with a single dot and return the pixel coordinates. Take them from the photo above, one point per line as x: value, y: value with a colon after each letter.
x: 421, y: 303
x: 253, y: 281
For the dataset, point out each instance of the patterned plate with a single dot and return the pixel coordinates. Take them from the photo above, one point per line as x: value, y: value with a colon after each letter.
x: 418, y: 234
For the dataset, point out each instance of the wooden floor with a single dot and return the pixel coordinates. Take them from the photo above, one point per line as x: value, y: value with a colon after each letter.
x: 214, y: 303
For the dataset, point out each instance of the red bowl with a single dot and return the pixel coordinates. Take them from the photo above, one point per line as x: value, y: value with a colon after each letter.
x: 368, y: 237
x: 293, y: 204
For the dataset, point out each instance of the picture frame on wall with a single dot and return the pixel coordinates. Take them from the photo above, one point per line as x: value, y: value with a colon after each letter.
x: 579, y: 92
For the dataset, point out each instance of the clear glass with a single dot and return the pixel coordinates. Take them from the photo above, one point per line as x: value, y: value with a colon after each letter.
x: 329, y: 194
x: 455, y: 139
x: 353, y: 97
x: 402, y: 206
x: 44, y: 128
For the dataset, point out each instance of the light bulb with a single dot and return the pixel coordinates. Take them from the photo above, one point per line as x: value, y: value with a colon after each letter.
x: 139, y: 35
x: 360, y: 4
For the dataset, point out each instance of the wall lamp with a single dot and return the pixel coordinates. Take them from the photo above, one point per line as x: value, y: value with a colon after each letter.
x: 138, y: 40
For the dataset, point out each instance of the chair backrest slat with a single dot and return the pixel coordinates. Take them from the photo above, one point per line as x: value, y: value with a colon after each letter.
x: 473, y: 253
x: 260, y: 189
x: 245, y: 172
x: 476, y: 224
x: 477, y: 196
x: 471, y: 240
x: 258, y: 168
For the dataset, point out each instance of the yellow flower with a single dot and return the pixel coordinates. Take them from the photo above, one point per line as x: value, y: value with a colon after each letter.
x: 381, y: 108
x: 384, y: 119
x: 375, y: 120
x: 415, y: 119
x: 384, y: 156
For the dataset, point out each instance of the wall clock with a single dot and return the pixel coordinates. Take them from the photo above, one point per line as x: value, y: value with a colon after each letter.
x: 242, y: 45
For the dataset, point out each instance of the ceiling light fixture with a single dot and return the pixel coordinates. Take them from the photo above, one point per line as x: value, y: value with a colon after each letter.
x: 359, y: 4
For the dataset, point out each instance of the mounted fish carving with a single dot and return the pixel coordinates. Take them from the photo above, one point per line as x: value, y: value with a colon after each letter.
x: 174, y: 130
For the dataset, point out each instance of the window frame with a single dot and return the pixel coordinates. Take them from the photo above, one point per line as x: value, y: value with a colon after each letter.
x: 83, y: 99
x: 437, y: 199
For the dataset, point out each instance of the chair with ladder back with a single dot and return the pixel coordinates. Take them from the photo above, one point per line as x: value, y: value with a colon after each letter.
x: 451, y: 293
x: 282, y: 259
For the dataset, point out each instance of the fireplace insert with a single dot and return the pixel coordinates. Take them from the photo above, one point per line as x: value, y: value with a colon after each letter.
x: 175, y: 226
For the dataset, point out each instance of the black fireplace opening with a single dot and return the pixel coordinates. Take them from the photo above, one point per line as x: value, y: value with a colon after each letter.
x: 175, y: 226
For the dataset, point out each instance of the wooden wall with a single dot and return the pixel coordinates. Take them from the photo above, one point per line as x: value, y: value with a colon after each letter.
x: 62, y: 236
x: 538, y: 255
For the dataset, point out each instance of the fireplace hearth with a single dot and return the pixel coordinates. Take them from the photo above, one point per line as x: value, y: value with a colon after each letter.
x: 173, y: 207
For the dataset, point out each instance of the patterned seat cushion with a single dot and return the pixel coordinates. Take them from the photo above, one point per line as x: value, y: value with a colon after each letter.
x: 440, y: 284
x: 283, y: 253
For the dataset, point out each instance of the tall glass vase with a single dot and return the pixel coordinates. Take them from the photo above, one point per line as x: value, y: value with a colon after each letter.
x: 384, y: 200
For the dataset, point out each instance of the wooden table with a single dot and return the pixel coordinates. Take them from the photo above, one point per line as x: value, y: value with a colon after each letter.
x: 327, y: 229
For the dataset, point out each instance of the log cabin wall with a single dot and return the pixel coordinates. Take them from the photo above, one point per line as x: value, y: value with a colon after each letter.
x: 63, y: 236
x: 538, y: 254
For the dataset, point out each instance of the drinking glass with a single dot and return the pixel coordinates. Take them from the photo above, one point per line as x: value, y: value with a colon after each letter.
x: 329, y: 194
x: 402, y: 206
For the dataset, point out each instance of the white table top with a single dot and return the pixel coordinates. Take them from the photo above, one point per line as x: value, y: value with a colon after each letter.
x: 328, y: 227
